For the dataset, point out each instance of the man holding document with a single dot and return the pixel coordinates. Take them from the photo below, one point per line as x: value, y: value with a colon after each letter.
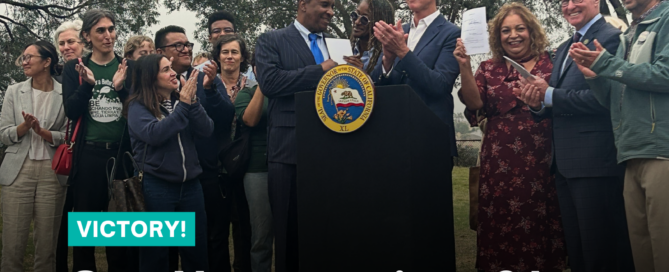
x: 588, y: 179
x: 290, y: 60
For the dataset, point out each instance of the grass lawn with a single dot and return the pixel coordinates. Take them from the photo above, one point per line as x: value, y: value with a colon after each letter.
x: 465, y: 239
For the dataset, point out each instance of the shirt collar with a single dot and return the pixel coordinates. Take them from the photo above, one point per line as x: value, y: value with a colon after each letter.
x: 587, y: 26
x: 304, y: 31
x: 427, y: 20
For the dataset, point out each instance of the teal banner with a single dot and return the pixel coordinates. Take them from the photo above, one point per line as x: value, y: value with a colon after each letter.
x: 131, y: 229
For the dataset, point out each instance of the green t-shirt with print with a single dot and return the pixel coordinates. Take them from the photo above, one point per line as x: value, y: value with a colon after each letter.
x: 104, y: 119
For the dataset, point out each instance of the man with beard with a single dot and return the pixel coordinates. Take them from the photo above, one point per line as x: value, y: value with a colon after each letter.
x: 290, y: 60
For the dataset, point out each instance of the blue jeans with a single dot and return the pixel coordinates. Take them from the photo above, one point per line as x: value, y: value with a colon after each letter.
x: 163, y: 196
x: 262, y: 236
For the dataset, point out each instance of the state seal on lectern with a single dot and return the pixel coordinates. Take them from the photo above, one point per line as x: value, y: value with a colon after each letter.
x: 344, y: 98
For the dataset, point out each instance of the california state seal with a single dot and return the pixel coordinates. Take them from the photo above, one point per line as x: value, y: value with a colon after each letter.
x: 344, y: 98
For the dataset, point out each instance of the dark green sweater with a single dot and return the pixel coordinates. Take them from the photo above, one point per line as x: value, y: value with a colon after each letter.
x: 258, y: 159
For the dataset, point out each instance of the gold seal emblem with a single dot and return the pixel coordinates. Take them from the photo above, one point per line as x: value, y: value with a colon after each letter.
x: 344, y: 99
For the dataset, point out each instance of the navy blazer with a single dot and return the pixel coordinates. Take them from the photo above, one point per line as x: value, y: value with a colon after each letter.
x: 583, y: 141
x: 284, y: 66
x: 430, y: 69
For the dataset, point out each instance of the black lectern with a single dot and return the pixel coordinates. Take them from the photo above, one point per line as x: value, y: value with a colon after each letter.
x: 379, y: 198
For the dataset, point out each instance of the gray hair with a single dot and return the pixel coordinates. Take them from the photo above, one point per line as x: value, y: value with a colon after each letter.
x: 65, y: 26
x: 91, y: 18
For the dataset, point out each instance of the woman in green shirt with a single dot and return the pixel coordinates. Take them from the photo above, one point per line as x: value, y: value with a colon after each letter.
x: 251, y: 112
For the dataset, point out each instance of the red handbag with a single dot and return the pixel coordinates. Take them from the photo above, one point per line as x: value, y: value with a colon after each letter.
x: 62, y: 159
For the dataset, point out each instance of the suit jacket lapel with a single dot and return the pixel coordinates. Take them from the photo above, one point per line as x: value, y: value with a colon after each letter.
x: 27, y: 97
x: 296, y: 41
x: 55, y: 107
x: 563, y: 52
x: 429, y: 34
x: 589, y: 36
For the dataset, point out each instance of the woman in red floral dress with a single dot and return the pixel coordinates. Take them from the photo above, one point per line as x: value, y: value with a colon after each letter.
x: 519, y: 218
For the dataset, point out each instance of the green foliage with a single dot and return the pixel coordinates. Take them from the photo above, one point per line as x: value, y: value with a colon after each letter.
x: 25, y: 21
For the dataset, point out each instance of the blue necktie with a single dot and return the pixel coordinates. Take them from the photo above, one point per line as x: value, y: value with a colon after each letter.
x: 315, y: 50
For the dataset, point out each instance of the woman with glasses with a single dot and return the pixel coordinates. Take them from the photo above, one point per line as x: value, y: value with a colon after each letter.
x: 366, y: 48
x: 94, y: 92
x: 32, y: 125
x: 519, y: 221
x: 138, y: 46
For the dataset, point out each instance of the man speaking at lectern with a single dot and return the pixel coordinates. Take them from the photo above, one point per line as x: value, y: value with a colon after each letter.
x: 420, y: 54
x: 290, y: 60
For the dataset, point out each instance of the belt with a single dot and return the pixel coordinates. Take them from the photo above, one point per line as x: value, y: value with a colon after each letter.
x: 104, y: 145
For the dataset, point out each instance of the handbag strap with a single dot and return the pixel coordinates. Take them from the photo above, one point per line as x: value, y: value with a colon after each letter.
x: 76, y: 130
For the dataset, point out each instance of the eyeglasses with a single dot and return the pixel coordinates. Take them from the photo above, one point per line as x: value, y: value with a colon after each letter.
x: 27, y: 58
x: 363, y: 19
x: 180, y: 46
x: 227, y: 30
x: 566, y: 2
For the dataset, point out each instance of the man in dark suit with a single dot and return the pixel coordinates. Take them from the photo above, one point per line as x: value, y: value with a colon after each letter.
x: 588, y: 179
x: 290, y: 60
x: 420, y: 54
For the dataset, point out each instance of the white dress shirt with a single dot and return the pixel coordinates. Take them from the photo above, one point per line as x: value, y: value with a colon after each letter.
x: 321, y: 42
x: 41, y: 103
x: 416, y: 32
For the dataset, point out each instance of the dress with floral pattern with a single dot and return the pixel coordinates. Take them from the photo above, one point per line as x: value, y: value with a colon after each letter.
x: 519, y: 218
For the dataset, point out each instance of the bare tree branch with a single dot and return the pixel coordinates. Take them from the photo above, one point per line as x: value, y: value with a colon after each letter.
x: 20, y: 24
x: 9, y: 30
x: 46, y: 8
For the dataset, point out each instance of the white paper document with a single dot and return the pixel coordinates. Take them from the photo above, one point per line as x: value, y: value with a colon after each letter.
x: 338, y: 48
x: 475, y: 31
x: 523, y: 72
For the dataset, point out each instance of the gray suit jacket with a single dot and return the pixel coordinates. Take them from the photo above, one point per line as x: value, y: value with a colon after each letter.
x: 19, y: 98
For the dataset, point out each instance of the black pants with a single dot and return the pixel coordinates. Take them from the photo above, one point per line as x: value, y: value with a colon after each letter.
x: 225, y: 203
x: 91, y: 195
x: 62, y: 250
x: 594, y: 222
x: 282, y: 183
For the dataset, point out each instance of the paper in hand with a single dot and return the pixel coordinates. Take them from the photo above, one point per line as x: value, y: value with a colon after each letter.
x: 475, y: 31
x: 338, y: 48
x: 523, y: 72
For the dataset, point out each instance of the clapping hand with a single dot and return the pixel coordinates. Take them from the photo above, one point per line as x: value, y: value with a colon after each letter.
x: 209, y: 74
x: 538, y: 82
x: 189, y: 89
x: 393, y: 38
x: 119, y: 76
x: 31, y: 122
x: 85, y: 73
x: 584, y: 57
x: 530, y: 95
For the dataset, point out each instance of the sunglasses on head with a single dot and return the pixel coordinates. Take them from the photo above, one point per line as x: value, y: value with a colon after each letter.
x: 363, y: 19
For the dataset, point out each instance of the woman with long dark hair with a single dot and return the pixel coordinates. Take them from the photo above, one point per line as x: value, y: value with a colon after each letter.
x: 94, y: 89
x: 163, y: 124
x: 32, y: 125
x: 366, y: 48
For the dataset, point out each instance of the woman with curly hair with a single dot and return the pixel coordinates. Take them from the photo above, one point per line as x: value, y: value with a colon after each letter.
x: 519, y: 223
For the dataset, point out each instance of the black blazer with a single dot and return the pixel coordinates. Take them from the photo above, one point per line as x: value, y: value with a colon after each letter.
x: 583, y: 144
x: 284, y: 66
